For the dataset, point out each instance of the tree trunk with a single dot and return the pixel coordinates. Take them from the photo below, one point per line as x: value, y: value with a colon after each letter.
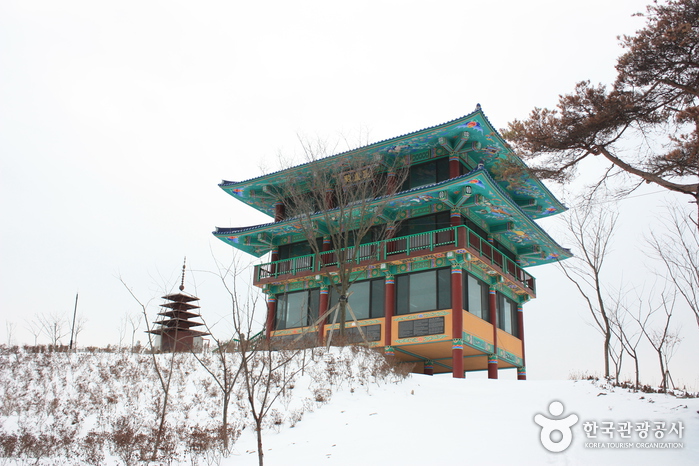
x: 663, y: 379
x: 260, y: 453
x: 607, y: 338
x: 224, y: 423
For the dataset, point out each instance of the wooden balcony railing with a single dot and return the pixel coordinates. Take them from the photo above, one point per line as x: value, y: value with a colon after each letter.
x: 460, y: 237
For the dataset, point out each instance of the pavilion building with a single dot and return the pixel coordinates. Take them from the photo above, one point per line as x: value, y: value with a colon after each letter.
x: 446, y: 290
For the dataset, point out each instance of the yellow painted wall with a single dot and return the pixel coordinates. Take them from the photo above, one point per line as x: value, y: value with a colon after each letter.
x: 509, y: 343
x: 478, y: 327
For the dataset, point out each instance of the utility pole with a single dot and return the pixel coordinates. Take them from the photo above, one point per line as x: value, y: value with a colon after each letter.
x: 72, y: 330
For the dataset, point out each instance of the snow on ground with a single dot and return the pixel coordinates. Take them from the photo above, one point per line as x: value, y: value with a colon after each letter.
x: 440, y: 420
x: 342, y: 409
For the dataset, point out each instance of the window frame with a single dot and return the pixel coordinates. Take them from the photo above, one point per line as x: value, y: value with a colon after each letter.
x: 442, y: 294
x: 507, y: 325
x: 309, y: 315
x: 485, y: 296
x: 441, y: 173
x: 375, y: 304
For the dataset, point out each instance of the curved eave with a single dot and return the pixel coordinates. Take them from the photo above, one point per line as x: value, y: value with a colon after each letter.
x: 475, y: 193
x: 492, y: 153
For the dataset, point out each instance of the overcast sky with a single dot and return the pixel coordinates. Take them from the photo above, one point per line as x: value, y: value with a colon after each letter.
x: 119, y: 119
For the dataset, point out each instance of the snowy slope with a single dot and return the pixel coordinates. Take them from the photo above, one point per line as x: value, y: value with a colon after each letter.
x: 342, y: 409
x: 440, y: 420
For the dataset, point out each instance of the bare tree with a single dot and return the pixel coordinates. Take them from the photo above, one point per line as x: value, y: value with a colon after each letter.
x: 164, y: 375
x: 677, y: 247
x: 33, y: 325
x: 663, y: 339
x: 592, y: 228
x: 121, y: 331
x: 266, y: 373
x: 134, y: 321
x: 227, y: 368
x: 628, y: 339
x: 54, y: 327
x: 130, y: 322
x: 10, y: 328
x: 344, y: 204
x: 80, y: 323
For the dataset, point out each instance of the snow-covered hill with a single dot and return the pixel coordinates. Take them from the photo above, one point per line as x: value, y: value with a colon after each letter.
x: 342, y: 408
x: 440, y: 420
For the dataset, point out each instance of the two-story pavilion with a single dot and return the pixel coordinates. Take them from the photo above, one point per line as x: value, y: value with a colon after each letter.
x: 446, y: 291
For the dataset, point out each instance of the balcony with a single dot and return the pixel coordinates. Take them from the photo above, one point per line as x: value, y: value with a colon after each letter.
x: 401, y: 248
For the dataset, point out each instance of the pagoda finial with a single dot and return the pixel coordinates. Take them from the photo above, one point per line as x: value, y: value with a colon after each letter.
x: 183, y: 268
x: 478, y: 107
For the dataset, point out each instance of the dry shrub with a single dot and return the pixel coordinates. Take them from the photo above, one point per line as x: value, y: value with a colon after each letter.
x: 322, y: 395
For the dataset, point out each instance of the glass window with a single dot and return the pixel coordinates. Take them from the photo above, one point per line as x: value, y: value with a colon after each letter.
x: 444, y: 289
x: 423, y: 291
x: 427, y: 173
x: 287, y: 251
x: 477, y: 297
x: 378, y: 291
x: 366, y: 299
x: 360, y: 293
x: 297, y: 309
x: 507, y: 314
x: 424, y: 224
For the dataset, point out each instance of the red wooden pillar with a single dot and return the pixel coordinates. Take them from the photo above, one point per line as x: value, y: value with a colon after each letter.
x: 322, y: 309
x: 455, y: 219
x: 329, y: 199
x: 279, y: 211
x: 522, y: 371
x: 389, y: 307
x: 324, y: 257
x: 428, y: 368
x: 454, y: 166
x: 271, y: 311
x: 457, y: 323
x: 274, y: 258
x: 391, y: 183
x: 493, y: 358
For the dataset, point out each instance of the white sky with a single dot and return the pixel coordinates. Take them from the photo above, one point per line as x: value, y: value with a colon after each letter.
x: 118, y: 119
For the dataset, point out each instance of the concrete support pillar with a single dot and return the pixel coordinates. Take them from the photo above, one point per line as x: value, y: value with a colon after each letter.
x: 493, y: 358
x: 521, y: 371
x: 457, y: 323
